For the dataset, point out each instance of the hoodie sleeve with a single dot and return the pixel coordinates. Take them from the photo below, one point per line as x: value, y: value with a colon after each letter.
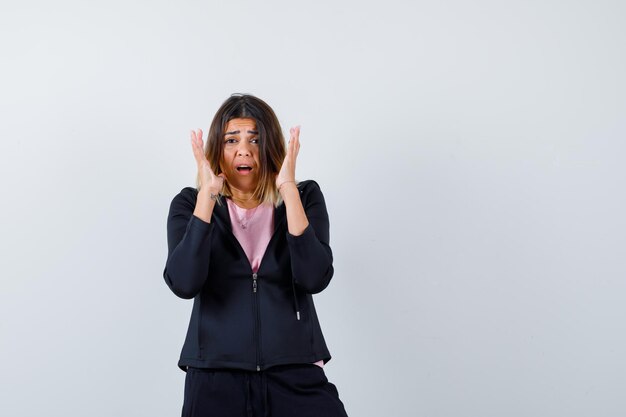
x: 311, y: 256
x: 189, y: 246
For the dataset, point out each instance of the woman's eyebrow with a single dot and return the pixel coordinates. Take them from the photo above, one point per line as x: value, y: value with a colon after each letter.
x: 235, y: 132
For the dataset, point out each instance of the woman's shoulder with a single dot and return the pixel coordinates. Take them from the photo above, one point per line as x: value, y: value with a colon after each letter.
x: 310, y: 189
x: 189, y: 191
x: 186, y: 197
x: 307, y: 185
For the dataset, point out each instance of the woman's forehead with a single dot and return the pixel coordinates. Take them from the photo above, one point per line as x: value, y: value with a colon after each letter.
x: 240, y: 123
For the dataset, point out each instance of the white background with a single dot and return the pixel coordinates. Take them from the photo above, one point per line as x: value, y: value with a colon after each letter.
x: 470, y: 154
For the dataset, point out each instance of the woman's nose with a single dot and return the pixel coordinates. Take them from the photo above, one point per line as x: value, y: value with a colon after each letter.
x: 243, y: 150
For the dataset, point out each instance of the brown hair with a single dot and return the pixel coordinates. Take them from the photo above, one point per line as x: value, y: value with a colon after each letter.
x: 272, y: 143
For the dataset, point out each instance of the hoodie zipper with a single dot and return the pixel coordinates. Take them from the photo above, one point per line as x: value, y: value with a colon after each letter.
x: 257, y: 321
x: 227, y: 227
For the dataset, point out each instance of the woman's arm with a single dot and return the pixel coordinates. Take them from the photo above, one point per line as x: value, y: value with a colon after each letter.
x: 297, y: 220
x: 189, y: 245
x: 307, y: 237
x: 189, y: 228
x: 286, y: 183
x: 311, y: 255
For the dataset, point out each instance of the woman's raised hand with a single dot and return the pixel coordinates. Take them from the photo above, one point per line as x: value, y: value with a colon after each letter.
x: 297, y: 221
x: 208, y: 179
x: 288, y: 170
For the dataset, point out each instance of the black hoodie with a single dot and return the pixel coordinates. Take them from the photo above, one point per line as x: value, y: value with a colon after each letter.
x: 239, y: 319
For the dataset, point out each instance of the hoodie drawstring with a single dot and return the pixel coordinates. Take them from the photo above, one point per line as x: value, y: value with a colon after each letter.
x: 295, y: 299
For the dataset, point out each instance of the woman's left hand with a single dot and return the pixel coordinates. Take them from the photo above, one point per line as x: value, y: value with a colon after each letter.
x: 288, y: 170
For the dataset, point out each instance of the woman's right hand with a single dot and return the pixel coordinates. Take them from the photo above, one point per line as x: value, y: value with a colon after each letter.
x: 208, y: 179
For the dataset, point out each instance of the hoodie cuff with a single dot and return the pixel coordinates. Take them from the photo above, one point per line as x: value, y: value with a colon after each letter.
x: 199, y: 224
x: 304, y: 238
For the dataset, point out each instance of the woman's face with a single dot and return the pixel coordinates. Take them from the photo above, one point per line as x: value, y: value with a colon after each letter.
x: 240, y: 159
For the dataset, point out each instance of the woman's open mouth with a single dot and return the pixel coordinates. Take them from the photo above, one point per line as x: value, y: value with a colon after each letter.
x: 244, y: 169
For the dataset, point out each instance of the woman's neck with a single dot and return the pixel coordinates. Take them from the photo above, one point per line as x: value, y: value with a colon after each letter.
x: 243, y: 199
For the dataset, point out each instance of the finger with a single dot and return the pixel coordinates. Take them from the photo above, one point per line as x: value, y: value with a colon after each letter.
x: 199, y: 136
x: 295, y: 140
x: 194, y: 144
x: 194, y: 138
x: 196, y: 147
x: 295, y: 132
x: 289, y: 149
x: 200, y: 145
x: 198, y: 153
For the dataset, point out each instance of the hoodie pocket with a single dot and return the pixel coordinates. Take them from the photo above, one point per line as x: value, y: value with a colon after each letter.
x: 199, y: 332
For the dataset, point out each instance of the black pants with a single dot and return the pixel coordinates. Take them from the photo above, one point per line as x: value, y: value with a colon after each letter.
x: 280, y: 391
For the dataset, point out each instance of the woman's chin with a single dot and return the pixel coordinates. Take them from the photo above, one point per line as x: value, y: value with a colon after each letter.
x: 243, y: 182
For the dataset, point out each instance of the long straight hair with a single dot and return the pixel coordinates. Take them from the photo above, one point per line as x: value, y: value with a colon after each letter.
x: 271, y: 143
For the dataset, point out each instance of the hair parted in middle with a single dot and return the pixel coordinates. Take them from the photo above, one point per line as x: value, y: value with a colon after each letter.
x: 271, y: 143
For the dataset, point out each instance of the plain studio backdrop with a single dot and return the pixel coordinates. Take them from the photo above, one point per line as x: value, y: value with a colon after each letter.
x: 471, y: 156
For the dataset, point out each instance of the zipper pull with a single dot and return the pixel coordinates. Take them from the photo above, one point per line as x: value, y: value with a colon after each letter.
x: 298, y: 315
x: 254, y: 282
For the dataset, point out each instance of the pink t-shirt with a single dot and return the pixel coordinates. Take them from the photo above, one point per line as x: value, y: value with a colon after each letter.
x: 253, y: 229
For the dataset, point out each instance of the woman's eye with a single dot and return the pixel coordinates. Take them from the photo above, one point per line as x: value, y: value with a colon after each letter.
x: 230, y: 140
x: 255, y: 140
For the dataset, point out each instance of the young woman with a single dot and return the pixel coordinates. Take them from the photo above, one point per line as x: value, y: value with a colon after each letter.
x: 250, y: 245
